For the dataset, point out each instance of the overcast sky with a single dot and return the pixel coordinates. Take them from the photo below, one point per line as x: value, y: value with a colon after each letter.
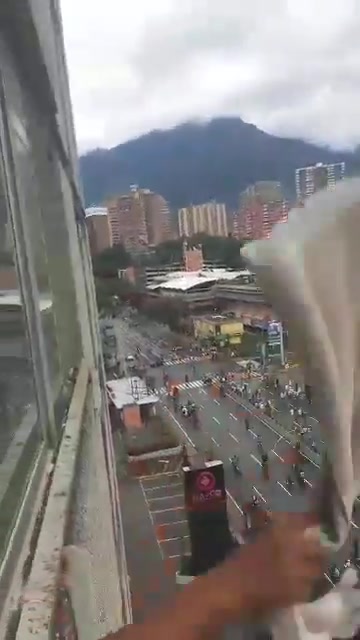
x: 292, y: 67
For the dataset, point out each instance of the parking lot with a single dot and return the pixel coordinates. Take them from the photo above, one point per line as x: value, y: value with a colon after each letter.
x: 164, y: 497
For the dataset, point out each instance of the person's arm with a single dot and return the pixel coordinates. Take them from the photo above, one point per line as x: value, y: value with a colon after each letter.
x: 274, y: 572
x: 196, y: 613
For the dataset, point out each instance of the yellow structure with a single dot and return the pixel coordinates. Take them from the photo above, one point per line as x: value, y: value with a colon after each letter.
x: 219, y: 329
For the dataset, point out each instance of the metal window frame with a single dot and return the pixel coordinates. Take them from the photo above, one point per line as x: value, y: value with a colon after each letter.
x: 26, y: 275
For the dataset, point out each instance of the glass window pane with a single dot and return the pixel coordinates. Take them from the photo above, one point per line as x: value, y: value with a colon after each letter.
x: 20, y: 434
x: 42, y: 204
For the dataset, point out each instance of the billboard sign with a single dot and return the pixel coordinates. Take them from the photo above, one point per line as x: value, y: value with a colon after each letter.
x: 274, y: 332
x: 275, y: 340
x: 205, y: 487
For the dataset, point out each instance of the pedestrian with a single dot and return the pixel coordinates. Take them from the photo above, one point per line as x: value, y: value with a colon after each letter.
x: 247, y: 424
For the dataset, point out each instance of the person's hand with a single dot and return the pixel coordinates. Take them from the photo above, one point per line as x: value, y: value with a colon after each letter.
x: 277, y: 570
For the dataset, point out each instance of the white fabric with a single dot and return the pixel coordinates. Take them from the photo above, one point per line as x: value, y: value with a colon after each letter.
x: 310, y: 271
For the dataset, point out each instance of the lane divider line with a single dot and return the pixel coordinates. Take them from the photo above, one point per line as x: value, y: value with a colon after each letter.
x: 284, y: 488
x: 259, y: 494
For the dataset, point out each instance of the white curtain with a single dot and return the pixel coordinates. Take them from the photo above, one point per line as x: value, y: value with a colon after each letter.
x: 310, y: 271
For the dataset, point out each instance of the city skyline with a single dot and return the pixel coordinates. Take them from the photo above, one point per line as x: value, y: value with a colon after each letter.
x: 142, y: 218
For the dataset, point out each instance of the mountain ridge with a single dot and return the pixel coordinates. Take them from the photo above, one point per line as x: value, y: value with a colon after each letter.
x: 197, y: 162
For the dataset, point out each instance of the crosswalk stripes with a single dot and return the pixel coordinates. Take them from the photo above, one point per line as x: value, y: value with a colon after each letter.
x: 187, y: 360
x: 185, y: 385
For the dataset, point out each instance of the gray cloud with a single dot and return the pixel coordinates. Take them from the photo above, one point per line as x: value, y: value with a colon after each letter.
x: 289, y: 67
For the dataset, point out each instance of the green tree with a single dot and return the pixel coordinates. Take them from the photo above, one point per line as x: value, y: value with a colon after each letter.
x: 169, y: 252
x: 107, y: 263
x: 225, y: 251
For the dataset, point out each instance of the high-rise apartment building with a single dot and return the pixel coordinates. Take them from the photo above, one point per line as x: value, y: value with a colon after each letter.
x: 57, y: 463
x: 319, y: 176
x: 209, y: 218
x: 158, y: 218
x: 127, y: 220
x: 139, y: 219
x: 99, y: 232
x: 262, y: 205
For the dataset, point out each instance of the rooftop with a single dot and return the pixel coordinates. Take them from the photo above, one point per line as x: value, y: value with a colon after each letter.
x: 125, y: 392
x: 183, y: 280
x: 96, y: 211
x: 219, y: 318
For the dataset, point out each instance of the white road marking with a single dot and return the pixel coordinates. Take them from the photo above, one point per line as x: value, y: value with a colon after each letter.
x: 216, y: 420
x: 259, y: 494
x: 167, y: 510
x: 277, y: 455
x: 255, y: 459
x: 151, y: 518
x: 175, y: 495
x: 268, y: 426
x: 329, y: 579
x: 233, y: 437
x: 234, y: 502
x: 171, y: 539
x: 216, y: 401
x: 181, y: 428
x: 232, y: 416
x: 252, y: 433
x: 163, y: 473
x: 354, y: 525
x: 214, y: 441
x: 307, y: 482
x: 284, y: 488
x: 177, y: 484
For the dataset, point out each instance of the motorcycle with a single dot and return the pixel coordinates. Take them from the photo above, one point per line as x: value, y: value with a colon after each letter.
x: 188, y: 410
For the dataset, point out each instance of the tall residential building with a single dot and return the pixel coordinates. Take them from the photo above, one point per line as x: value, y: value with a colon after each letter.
x: 262, y: 205
x: 57, y: 463
x: 139, y: 219
x: 158, y: 218
x: 209, y: 218
x: 319, y: 176
x: 97, y: 222
x: 127, y: 220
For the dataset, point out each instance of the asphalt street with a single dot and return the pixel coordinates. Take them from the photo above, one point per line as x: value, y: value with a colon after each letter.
x: 222, y: 430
